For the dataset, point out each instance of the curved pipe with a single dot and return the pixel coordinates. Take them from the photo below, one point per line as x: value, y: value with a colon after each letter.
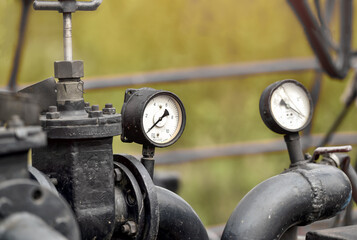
x: 177, y: 218
x: 24, y: 225
x: 298, y: 196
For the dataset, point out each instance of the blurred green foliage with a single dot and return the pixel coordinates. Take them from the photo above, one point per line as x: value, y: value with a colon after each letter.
x: 124, y: 37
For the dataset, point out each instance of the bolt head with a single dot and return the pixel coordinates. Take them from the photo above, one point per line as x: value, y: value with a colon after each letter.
x: 52, y: 115
x: 125, y: 228
x: 52, y: 108
x: 94, y: 112
x: 95, y: 108
x: 109, y: 111
x: 130, y: 228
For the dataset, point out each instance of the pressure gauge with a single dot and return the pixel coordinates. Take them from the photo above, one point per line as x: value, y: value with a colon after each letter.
x: 152, y: 117
x: 286, y: 106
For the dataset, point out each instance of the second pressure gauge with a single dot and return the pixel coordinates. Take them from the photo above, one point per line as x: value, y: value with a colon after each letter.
x: 286, y: 106
x: 152, y: 117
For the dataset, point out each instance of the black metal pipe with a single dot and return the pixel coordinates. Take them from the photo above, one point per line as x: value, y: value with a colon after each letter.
x: 177, y: 218
x: 298, y: 196
x: 346, y: 167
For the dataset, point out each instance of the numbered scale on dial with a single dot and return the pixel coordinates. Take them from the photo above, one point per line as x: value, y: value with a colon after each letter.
x: 152, y: 117
x: 286, y: 106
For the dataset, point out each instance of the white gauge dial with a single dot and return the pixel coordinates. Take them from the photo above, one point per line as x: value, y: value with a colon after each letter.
x: 162, y: 119
x: 290, y: 106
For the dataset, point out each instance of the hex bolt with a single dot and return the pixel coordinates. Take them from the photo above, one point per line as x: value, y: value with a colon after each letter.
x: 130, y: 198
x: 118, y: 176
x: 87, y: 107
x: 95, y: 108
x: 109, y: 109
x: 52, y: 108
x: 94, y: 112
x: 129, y: 228
x: 52, y: 113
x: 125, y: 228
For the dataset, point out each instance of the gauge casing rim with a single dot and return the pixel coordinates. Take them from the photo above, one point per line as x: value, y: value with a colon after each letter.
x: 266, y: 111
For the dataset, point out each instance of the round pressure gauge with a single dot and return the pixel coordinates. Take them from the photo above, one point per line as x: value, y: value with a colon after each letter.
x: 152, y: 117
x: 286, y: 106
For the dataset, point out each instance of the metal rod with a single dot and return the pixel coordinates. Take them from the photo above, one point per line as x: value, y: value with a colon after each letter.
x: 205, y: 72
x: 20, y: 43
x: 335, y: 125
x: 244, y: 148
x: 351, y: 96
x: 88, y: 6
x: 315, y: 94
x: 67, y: 36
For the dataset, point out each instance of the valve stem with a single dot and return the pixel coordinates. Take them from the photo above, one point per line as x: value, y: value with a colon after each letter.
x: 67, y: 36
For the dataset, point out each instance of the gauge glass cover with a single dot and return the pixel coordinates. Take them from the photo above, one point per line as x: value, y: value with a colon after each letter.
x: 162, y: 119
x: 290, y: 106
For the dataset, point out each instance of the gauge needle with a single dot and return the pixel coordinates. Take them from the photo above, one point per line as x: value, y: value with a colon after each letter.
x: 282, y: 102
x: 166, y: 113
x: 295, y: 108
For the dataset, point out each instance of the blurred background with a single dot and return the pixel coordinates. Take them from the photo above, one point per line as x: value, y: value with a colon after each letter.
x: 137, y: 36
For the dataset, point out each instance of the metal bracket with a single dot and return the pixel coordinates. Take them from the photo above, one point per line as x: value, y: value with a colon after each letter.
x: 67, y: 6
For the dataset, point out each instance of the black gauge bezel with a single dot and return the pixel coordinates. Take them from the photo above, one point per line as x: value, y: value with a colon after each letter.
x: 266, y: 112
x: 132, y: 112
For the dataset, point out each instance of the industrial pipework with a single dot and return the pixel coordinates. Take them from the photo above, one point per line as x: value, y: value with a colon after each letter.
x: 299, y: 196
x: 304, y: 193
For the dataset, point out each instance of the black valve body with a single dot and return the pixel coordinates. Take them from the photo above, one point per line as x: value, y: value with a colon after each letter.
x: 79, y: 154
x: 83, y: 169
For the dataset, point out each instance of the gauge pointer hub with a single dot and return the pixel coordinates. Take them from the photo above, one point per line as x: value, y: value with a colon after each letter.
x: 166, y: 113
x: 282, y: 102
x: 295, y: 108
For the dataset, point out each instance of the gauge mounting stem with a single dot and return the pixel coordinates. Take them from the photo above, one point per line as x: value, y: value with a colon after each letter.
x: 293, y: 144
x: 148, y: 159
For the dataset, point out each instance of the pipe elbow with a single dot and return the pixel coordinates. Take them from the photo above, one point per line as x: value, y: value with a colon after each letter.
x: 177, y: 218
x: 298, y: 196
